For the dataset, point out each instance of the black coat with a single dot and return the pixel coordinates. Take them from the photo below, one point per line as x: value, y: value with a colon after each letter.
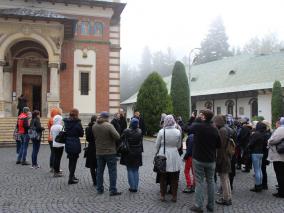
x: 74, y: 131
x: 91, y: 161
x: 116, y: 124
x: 35, y: 122
x: 244, y: 136
x: 122, y: 123
x: 134, y: 138
x: 258, y: 140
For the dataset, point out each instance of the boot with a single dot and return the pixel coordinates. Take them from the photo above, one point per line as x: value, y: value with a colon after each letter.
x: 257, y: 188
x: 94, y: 179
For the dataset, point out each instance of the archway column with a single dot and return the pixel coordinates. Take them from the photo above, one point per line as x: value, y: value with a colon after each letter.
x: 54, y: 96
x: 2, y: 103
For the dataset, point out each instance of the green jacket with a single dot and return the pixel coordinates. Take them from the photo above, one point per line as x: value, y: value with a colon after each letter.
x: 105, y: 136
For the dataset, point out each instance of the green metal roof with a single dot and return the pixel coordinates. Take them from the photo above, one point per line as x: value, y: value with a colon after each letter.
x: 233, y: 74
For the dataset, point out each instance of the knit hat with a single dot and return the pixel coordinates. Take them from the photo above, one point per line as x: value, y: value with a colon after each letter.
x: 134, y: 123
x: 26, y: 109
x: 104, y: 115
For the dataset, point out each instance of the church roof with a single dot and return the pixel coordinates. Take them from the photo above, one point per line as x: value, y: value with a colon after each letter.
x: 40, y: 14
x: 233, y: 74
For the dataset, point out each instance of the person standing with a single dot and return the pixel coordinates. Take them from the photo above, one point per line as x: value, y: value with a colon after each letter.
x: 170, y: 137
x: 122, y: 120
x: 206, y: 142
x: 74, y: 131
x: 91, y: 158
x: 22, y: 102
x: 115, y: 122
x: 57, y: 147
x: 106, y: 136
x: 257, y: 141
x: 141, y: 122
x: 276, y: 158
x: 54, y: 111
x: 36, y: 125
x: 223, y: 161
x: 133, y: 159
x: 243, y: 139
x: 23, y: 127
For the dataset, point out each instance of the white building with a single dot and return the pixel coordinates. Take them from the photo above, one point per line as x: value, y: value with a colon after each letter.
x: 239, y: 85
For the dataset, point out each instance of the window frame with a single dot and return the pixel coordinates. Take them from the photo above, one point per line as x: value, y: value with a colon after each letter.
x: 80, y: 82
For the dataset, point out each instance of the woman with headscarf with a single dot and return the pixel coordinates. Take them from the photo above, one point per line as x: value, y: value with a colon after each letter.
x: 133, y: 159
x: 171, y: 138
x: 276, y: 158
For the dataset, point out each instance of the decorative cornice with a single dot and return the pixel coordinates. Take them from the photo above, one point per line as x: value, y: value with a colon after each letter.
x: 53, y: 65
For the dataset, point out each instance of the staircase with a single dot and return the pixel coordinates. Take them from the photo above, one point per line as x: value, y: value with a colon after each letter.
x: 7, y: 126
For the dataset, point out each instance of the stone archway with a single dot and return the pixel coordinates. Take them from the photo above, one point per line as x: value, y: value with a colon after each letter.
x: 53, y: 59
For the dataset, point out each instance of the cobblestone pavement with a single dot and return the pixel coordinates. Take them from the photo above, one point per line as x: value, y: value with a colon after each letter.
x: 27, y: 190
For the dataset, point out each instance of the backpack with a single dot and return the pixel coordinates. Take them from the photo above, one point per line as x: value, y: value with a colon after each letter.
x: 231, y: 145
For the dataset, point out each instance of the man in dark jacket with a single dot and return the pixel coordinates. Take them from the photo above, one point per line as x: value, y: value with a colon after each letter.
x: 243, y: 139
x: 23, y: 128
x: 141, y: 122
x: 106, y: 136
x: 206, y: 142
x: 122, y: 120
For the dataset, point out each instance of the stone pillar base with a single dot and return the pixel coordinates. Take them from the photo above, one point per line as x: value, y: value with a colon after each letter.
x: 2, y: 109
x: 52, y: 103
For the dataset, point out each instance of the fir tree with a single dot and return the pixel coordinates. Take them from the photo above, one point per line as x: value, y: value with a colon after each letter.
x: 215, y: 46
x: 152, y: 101
x: 180, y: 91
x: 276, y: 102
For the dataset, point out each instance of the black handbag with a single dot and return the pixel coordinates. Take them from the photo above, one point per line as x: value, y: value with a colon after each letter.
x: 86, y: 150
x: 160, y: 161
x: 280, y: 147
x: 123, y: 147
x: 61, y: 137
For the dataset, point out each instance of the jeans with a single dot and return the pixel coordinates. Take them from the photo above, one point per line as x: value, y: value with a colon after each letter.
x: 18, y: 146
x: 256, y: 162
x: 201, y: 170
x: 111, y: 162
x: 36, y: 146
x: 72, y: 165
x: 58, y: 151
x: 51, y: 159
x: 133, y: 177
x: 24, y: 147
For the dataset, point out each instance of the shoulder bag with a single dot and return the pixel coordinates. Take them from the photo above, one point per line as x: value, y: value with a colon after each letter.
x: 160, y: 161
x: 123, y: 147
x: 280, y: 147
x: 61, y: 137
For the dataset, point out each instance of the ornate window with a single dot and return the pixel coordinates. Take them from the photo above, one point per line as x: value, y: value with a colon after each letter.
x: 98, y: 28
x: 208, y: 105
x: 230, y: 107
x: 85, y: 28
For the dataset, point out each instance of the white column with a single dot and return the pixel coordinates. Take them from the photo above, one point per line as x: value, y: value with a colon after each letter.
x: 2, y: 108
x: 54, y: 80
x: 53, y: 98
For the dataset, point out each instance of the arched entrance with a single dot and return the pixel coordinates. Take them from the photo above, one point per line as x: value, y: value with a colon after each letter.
x: 30, y: 74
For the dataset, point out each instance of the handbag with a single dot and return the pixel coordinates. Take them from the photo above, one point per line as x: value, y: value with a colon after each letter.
x: 280, y: 147
x: 61, y: 137
x: 85, y: 150
x: 123, y: 147
x: 160, y: 161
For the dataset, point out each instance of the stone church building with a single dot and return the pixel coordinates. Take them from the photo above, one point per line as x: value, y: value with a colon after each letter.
x: 60, y: 53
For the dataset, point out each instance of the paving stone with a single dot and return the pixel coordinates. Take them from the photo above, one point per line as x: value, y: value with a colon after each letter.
x: 35, y: 190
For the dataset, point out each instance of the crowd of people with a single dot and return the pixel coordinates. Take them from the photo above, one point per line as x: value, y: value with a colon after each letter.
x: 215, y: 147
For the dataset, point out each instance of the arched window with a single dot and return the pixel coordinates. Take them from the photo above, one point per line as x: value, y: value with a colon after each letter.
x: 85, y: 28
x: 254, y: 107
x: 230, y: 107
x: 208, y: 105
x: 98, y: 28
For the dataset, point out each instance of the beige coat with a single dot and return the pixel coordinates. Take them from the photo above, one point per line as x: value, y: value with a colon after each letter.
x: 277, y: 135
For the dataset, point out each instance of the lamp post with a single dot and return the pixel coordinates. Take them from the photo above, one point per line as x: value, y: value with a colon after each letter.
x: 189, y: 77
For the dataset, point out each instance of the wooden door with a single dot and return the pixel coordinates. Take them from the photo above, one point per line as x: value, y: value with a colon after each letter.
x: 29, y: 82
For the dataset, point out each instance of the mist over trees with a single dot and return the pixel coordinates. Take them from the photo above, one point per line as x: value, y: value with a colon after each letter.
x: 215, y: 46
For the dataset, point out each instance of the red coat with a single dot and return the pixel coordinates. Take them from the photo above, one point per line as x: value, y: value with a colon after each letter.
x: 23, y: 123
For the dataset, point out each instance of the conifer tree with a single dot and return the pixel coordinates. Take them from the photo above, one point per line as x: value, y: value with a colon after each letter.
x: 152, y: 101
x: 180, y: 91
x: 276, y: 102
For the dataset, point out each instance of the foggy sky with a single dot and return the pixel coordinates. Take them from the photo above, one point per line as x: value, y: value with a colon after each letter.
x: 183, y: 24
